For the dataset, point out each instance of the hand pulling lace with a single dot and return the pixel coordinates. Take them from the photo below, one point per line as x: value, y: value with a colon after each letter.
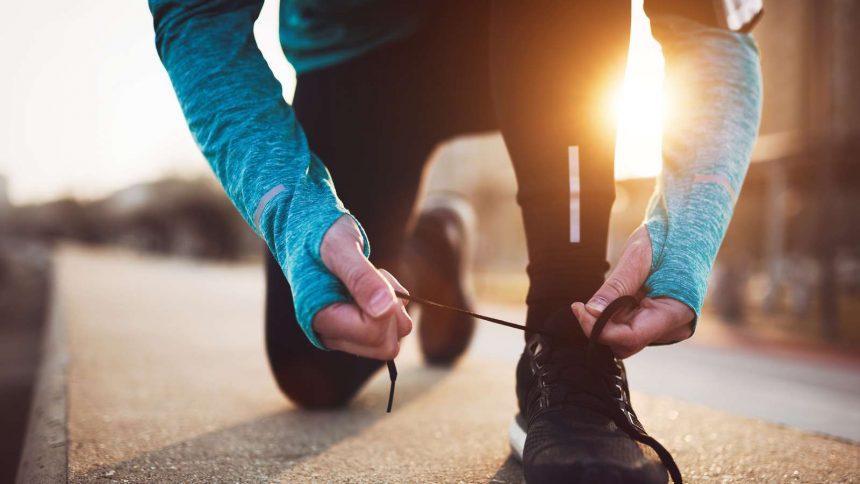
x: 615, y: 306
x: 622, y: 302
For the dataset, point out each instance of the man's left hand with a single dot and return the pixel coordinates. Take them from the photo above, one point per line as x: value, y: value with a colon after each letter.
x: 654, y: 320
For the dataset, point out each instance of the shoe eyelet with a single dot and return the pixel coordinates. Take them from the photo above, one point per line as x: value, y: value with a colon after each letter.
x: 622, y: 395
x: 543, y: 400
x: 633, y: 421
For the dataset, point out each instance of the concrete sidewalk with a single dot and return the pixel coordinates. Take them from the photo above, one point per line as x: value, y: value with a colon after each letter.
x: 167, y: 381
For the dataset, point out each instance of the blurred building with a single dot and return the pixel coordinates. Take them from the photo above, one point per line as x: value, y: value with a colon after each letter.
x: 191, y: 218
x: 4, y: 193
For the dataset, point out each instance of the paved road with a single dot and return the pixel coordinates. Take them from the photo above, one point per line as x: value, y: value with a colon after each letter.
x: 807, y: 395
x: 167, y: 381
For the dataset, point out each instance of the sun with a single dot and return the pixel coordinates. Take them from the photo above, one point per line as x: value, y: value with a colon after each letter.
x: 639, y: 104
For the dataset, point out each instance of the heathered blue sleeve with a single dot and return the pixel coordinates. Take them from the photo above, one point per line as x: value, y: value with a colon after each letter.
x: 252, y: 140
x: 707, y: 146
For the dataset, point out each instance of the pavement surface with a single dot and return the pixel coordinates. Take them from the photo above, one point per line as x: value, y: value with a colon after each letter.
x: 167, y: 381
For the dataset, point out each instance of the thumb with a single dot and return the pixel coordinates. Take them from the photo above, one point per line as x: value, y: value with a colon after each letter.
x: 628, y: 275
x: 342, y: 255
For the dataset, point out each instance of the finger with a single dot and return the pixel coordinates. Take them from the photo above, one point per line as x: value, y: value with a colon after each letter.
x: 365, y: 283
x: 617, y: 334
x: 392, y: 346
x: 404, y: 321
x: 654, y: 322
x: 388, y: 350
x: 628, y: 339
x: 629, y: 274
x: 586, y: 319
x: 395, y: 284
x: 345, y: 322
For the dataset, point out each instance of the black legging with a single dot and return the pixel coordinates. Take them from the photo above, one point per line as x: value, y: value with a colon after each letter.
x: 538, y: 73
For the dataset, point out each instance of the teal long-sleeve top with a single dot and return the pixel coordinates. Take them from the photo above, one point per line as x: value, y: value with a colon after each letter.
x: 250, y: 136
x: 715, y: 76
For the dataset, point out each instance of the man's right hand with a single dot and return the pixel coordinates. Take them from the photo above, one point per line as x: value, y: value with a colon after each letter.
x: 374, y: 323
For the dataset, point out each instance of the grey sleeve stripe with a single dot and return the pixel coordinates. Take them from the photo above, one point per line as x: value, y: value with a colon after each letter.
x: 265, y: 201
x: 719, y: 180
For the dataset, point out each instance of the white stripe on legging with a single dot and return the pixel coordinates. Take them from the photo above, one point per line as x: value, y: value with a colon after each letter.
x: 573, y: 171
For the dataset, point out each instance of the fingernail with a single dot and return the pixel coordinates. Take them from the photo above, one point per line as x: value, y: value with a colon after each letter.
x: 597, y: 303
x: 380, y: 302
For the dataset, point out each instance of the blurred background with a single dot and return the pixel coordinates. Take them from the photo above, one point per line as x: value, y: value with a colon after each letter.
x: 94, y: 151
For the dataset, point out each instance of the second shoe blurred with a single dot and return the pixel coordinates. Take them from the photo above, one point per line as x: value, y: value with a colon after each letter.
x: 436, y: 259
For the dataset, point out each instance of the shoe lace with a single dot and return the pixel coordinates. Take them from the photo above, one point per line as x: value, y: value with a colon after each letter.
x: 563, y: 380
x: 624, y: 416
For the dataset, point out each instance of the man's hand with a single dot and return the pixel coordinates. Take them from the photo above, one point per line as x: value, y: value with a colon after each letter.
x: 373, y: 325
x: 655, y: 320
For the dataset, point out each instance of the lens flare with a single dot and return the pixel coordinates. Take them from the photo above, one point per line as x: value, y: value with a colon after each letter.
x: 639, y: 105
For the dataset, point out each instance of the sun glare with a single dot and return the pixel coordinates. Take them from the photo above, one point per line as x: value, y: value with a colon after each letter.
x: 639, y: 105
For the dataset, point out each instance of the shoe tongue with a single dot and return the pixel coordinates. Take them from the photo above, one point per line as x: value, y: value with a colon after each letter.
x: 565, y: 328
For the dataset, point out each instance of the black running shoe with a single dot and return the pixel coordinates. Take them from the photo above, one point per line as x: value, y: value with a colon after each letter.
x: 576, y: 423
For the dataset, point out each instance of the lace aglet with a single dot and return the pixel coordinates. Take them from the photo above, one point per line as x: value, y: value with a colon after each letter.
x: 392, y: 375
